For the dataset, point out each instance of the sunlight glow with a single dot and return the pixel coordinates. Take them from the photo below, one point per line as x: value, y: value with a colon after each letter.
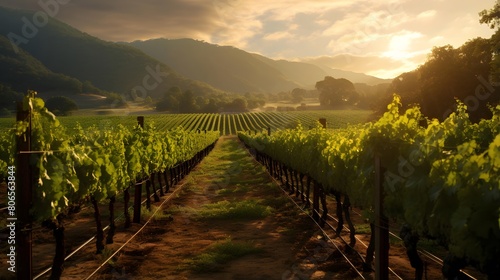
x: 400, y: 45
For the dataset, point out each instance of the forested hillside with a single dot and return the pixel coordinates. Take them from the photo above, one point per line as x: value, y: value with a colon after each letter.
x: 110, y: 66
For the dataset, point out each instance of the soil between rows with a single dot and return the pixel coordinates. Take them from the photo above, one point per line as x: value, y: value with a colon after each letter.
x: 289, y: 246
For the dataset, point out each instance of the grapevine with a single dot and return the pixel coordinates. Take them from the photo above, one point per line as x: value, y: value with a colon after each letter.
x: 441, y: 179
x: 70, y: 167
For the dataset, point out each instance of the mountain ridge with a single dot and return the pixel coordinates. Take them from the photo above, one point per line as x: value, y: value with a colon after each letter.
x: 209, y: 62
x: 21, y: 72
x: 107, y: 65
x: 213, y: 64
x: 151, y: 67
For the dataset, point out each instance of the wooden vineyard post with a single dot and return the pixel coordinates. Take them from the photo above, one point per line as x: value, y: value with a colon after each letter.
x: 158, y: 177
x: 126, y: 199
x: 381, y: 226
x: 140, y: 121
x: 138, y: 186
x: 315, y: 201
x: 269, y: 131
x: 24, y: 194
x: 322, y: 121
x: 137, y: 203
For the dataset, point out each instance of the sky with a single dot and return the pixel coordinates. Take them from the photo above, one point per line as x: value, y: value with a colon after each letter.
x: 383, y: 38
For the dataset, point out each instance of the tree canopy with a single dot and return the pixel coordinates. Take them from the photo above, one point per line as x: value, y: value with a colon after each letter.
x: 451, y: 73
x: 492, y: 19
x: 61, y: 105
x: 175, y: 100
x: 469, y: 73
x: 335, y: 92
x: 9, y: 98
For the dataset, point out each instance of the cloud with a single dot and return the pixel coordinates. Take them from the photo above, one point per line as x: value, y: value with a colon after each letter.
x: 427, y: 14
x: 127, y: 20
x: 402, y: 29
x: 382, y: 67
x: 247, y: 19
x: 278, y: 36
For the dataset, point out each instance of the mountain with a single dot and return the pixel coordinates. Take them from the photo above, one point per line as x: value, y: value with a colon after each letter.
x: 305, y: 74
x: 357, y: 77
x: 236, y: 70
x: 77, y: 59
x: 224, y: 67
x: 110, y: 66
x: 350, y: 64
x: 21, y: 71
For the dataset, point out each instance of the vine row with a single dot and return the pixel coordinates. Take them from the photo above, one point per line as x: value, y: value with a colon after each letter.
x: 440, y: 180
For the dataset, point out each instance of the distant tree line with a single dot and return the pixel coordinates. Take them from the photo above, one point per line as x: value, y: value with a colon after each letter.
x: 296, y: 95
x: 338, y: 93
x: 9, y: 99
x: 61, y: 105
x: 177, y: 101
x: 57, y: 104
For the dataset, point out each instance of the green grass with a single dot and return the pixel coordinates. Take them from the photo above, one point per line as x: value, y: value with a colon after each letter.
x: 106, y: 253
x: 241, y: 210
x: 216, y: 256
x: 363, y: 229
x: 6, y: 123
x: 277, y: 202
x: 236, y: 189
x: 159, y: 216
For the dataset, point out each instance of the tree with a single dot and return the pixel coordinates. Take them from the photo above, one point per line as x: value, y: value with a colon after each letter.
x: 334, y: 92
x: 370, y: 97
x: 200, y: 101
x: 9, y: 98
x: 465, y: 73
x: 211, y: 107
x: 169, y: 103
x: 187, y: 103
x: 170, y: 100
x: 61, y: 105
x: 407, y: 85
x: 175, y: 91
x: 449, y: 74
x: 298, y: 95
x: 87, y: 86
x: 438, y: 81
x: 4, y: 112
x: 255, y: 100
x: 239, y: 104
x: 492, y: 18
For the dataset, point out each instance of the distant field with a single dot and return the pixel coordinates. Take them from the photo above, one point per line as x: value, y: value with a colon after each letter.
x: 225, y: 123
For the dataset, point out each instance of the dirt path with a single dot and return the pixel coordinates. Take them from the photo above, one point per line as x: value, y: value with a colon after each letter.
x: 228, y: 201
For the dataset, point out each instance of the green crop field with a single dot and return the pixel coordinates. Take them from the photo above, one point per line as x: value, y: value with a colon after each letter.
x: 227, y: 124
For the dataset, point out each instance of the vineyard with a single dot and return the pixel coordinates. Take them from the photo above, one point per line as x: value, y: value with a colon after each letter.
x: 437, y: 180
x: 92, y: 165
x: 441, y: 178
x: 226, y: 124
